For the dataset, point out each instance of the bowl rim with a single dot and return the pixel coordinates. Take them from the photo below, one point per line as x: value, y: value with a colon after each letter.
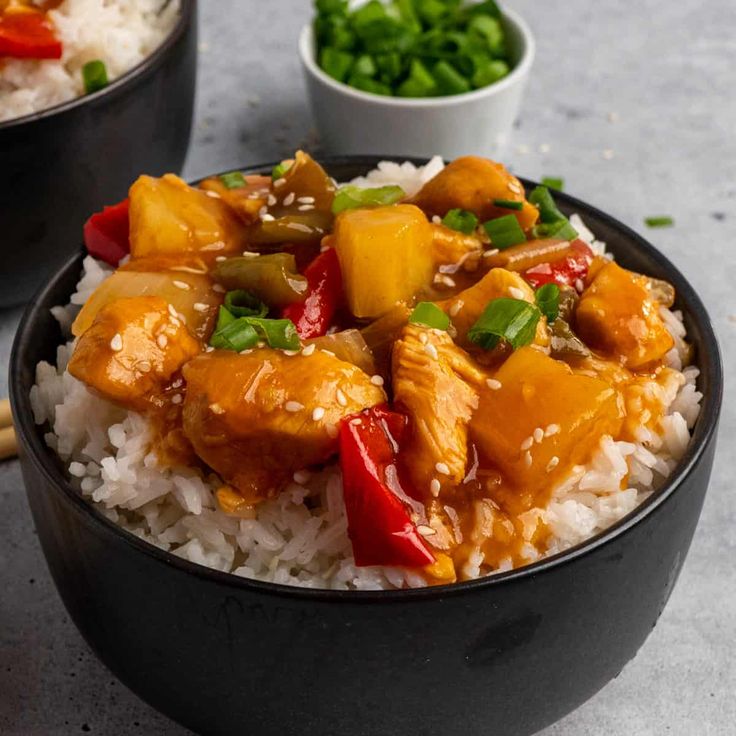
x: 119, y: 85
x: 517, y: 74
x: 47, y: 463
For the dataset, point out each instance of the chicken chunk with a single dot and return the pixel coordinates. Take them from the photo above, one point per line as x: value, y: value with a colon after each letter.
x: 245, y: 201
x: 168, y: 217
x: 473, y: 183
x: 131, y: 351
x: 255, y: 418
x: 436, y: 383
x: 537, y: 419
x: 451, y: 247
x: 465, y: 308
x: 618, y: 315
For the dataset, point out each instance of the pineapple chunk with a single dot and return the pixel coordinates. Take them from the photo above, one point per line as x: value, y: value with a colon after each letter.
x: 385, y: 256
x: 618, y: 315
x: 168, y: 217
x: 190, y: 294
x: 540, y: 421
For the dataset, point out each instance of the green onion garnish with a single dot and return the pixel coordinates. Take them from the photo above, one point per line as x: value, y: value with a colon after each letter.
x: 235, y: 335
x: 449, y: 80
x: 560, y: 230
x: 428, y: 313
x: 512, y: 320
x: 509, y: 204
x: 461, y: 220
x: 488, y: 72
x: 233, y: 179
x: 548, y: 301
x: 278, y: 171
x: 94, y: 75
x: 419, y: 83
x: 553, y: 182
x: 504, y: 231
x: 548, y: 211
x: 366, y: 84
x: 241, y: 303
x: 350, y: 197
x: 660, y: 221
x: 365, y: 66
x: 336, y: 63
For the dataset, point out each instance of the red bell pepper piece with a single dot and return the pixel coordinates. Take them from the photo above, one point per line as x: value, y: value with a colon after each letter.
x: 107, y: 233
x: 564, y: 272
x: 378, y: 523
x: 27, y: 34
x: 313, y: 316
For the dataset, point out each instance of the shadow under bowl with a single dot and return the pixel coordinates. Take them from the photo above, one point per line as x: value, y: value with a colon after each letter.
x: 61, y: 164
x: 505, y: 655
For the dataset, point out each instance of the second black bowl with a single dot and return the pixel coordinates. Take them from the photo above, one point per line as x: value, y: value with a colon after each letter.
x: 505, y: 655
x: 62, y: 164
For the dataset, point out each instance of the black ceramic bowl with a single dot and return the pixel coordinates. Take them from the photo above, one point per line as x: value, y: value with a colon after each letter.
x: 505, y: 655
x: 62, y: 164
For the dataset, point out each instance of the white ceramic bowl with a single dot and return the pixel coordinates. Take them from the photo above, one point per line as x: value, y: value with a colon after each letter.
x: 350, y: 121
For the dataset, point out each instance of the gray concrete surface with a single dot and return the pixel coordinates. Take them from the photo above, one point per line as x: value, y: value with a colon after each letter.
x: 633, y: 105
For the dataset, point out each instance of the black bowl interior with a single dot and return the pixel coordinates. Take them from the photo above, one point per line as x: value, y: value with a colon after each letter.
x: 39, y: 335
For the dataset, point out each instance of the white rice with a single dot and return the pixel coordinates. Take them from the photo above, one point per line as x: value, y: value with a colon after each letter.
x: 119, y: 32
x: 108, y: 453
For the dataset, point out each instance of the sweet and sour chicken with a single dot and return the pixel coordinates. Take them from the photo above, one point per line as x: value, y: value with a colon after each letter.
x: 457, y: 352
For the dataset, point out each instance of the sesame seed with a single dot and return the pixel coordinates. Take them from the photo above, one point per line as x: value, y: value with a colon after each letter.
x: 332, y: 430
x: 328, y: 352
x: 299, y: 226
x: 302, y: 476
x: 355, y: 422
x: 162, y: 341
x: 176, y: 399
x: 491, y: 252
x: 456, y: 307
x: 209, y: 349
x: 250, y: 254
x: 431, y: 350
x: 528, y: 459
x: 178, y: 383
x: 293, y: 406
x: 318, y: 413
x: 216, y: 409
x: 247, y: 351
x: 553, y: 463
x: 291, y: 353
x: 181, y: 285
x: 262, y: 211
x: 220, y: 259
x: 442, y: 468
x: 306, y: 200
x: 377, y: 380
x: 551, y: 429
x: 212, y: 194
x: 443, y: 280
x: 426, y: 531
x: 514, y: 187
x: 218, y: 288
x: 172, y: 311
x: 341, y: 398
x: 434, y: 487
x: 279, y: 183
x: 309, y: 349
x: 305, y: 207
x: 579, y: 285
x: 527, y: 443
x: 493, y: 384
x: 116, y: 343
x: 436, y: 219
x: 271, y: 201
x: 516, y: 292
x: 267, y: 218
x: 200, y: 307
x: 538, y: 434
x: 289, y: 199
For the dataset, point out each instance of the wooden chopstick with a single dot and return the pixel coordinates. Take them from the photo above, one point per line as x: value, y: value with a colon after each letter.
x: 8, y: 440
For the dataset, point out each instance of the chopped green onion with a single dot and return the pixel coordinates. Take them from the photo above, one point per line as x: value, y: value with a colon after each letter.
x: 278, y: 333
x: 366, y: 84
x: 419, y: 83
x: 428, y: 313
x: 449, y: 80
x: 241, y: 303
x: 488, y: 72
x: 504, y: 231
x: 561, y: 230
x: 278, y: 171
x: 331, y: 7
x: 490, y: 30
x: 389, y: 67
x: 350, y: 197
x: 548, y: 211
x: 336, y: 63
x: 548, y: 301
x: 660, y: 221
x: 509, y: 204
x: 512, y: 320
x: 365, y: 66
x: 236, y: 335
x: 432, y: 11
x: 553, y: 182
x: 233, y: 179
x: 94, y: 76
x: 461, y: 220
x: 224, y: 318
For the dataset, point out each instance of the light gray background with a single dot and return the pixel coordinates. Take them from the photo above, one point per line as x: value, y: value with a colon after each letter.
x: 651, y: 83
